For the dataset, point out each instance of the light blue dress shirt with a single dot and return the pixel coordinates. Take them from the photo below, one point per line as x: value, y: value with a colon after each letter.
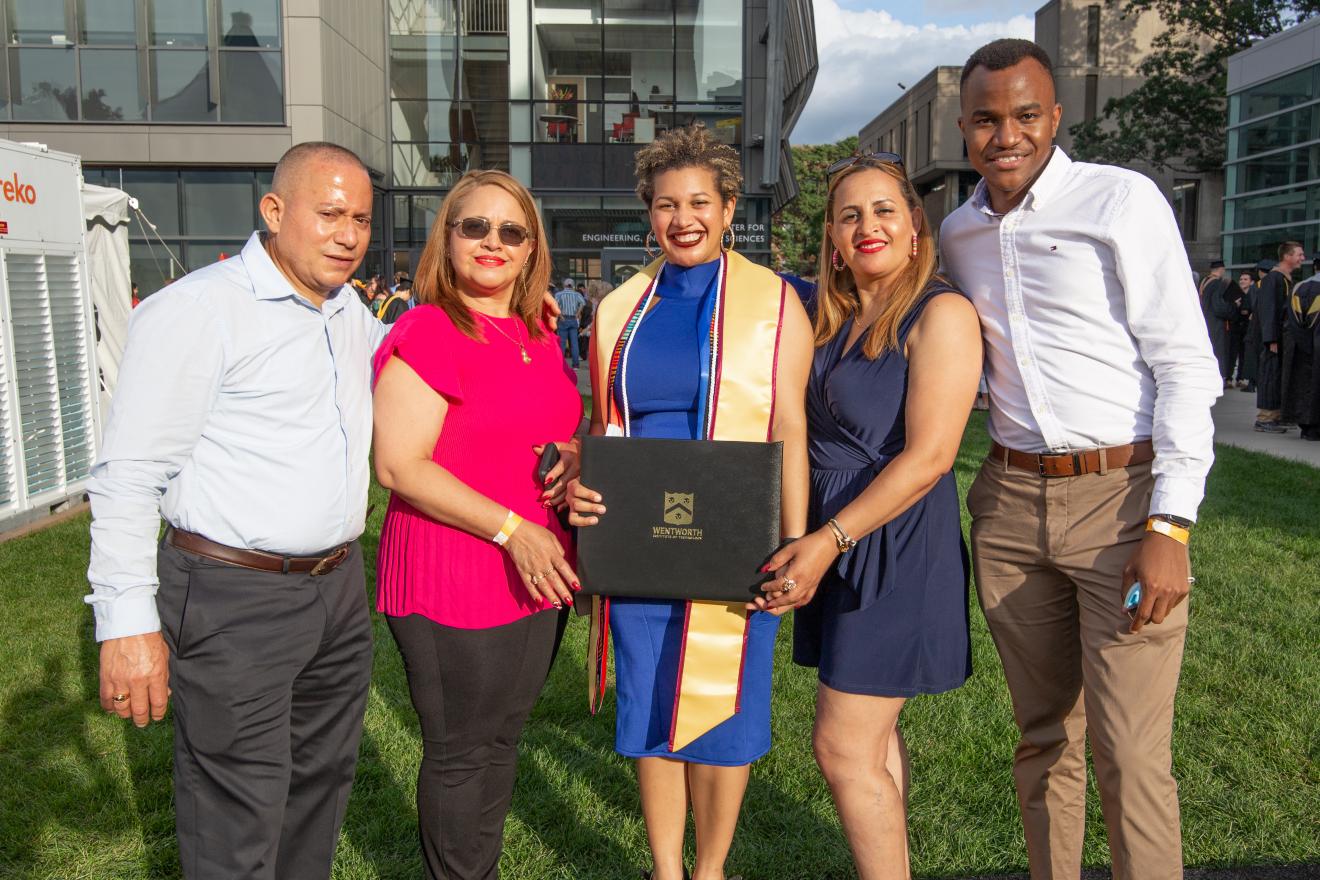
x: 243, y: 413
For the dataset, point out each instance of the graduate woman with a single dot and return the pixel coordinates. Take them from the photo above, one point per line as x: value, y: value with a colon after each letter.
x: 700, y: 314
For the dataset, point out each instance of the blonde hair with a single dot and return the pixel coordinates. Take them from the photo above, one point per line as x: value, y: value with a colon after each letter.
x: 837, y: 293
x: 691, y: 146
x: 436, y: 284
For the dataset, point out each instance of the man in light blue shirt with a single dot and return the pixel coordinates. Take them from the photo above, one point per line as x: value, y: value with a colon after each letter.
x: 243, y: 417
x: 570, y: 304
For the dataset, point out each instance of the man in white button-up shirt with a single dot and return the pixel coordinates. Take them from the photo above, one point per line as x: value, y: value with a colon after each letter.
x: 1101, y: 380
x: 243, y: 417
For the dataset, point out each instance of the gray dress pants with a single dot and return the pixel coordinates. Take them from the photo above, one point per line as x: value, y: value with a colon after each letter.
x: 270, y: 675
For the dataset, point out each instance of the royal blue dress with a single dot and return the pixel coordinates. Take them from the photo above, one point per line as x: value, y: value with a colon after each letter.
x: 890, y: 618
x: 663, y: 376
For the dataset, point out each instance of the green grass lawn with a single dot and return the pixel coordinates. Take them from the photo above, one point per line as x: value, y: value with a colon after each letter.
x: 83, y: 795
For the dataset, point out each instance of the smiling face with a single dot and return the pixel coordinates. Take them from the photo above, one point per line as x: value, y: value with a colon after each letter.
x: 1291, y: 261
x: 320, y: 226
x: 1244, y: 281
x: 688, y: 216
x: 1009, y: 120
x: 871, y: 225
x: 488, y: 267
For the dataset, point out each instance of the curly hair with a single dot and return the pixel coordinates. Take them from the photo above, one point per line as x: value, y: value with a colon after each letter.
x: 688, y: 147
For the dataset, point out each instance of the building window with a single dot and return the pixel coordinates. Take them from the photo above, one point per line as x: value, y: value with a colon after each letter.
x: 1092, y: 96
x: 1185, y: 203
x: 1093, y: 36
x: 198, y: 61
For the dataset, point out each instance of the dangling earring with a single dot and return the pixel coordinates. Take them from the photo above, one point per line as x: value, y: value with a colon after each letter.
x: 836, y: 260
x: 646, y: 245
x: 914, y: 244
x: 727, y: 239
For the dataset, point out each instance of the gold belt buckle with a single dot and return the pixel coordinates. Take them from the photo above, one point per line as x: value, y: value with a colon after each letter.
x: 329, y: 563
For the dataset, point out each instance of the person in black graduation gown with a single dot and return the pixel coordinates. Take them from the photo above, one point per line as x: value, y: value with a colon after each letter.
x: 1301, y: 326
x: 1236, y: 308
x: 1211, y: 290
x: 1271, y: 303
x: 1251, y: 343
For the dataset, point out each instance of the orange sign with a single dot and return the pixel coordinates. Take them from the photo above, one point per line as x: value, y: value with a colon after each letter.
x: 16, y: 191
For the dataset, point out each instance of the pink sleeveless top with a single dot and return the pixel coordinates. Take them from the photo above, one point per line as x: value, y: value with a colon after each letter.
x: 499, y: 407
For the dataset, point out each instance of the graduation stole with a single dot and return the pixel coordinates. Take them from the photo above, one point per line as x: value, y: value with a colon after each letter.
x: 1305, y: 317
x: 736, y: 401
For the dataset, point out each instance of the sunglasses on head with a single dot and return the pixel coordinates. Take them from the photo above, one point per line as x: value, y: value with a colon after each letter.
x: 477, y: 228
x: 880, y: 158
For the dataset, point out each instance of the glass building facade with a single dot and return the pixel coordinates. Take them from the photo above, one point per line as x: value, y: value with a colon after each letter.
x: 135, y: 61
x: 559, y: 93
x: 1272, y: 180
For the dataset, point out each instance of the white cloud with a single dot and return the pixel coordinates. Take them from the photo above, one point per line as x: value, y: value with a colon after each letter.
x: 864, y: 54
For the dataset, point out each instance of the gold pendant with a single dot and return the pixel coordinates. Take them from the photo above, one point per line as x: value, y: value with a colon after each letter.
x: 527, y: 358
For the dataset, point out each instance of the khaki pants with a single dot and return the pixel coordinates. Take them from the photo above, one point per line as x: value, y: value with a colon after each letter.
x: 1048, y: 556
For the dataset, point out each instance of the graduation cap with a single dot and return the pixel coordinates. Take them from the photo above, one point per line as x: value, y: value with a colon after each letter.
x: 1216, y: 264
x: 1264, y: 265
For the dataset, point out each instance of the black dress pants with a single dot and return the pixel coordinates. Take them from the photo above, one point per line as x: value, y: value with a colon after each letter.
x: 270, y: 675
x: 473, y: 690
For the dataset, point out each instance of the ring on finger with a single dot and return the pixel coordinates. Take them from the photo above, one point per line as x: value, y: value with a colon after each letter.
x: 535, y: 579
x: 120, y: 698
x: 789, y: 585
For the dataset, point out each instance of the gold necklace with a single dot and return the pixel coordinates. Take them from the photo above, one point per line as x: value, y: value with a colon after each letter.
x: 526, y: 358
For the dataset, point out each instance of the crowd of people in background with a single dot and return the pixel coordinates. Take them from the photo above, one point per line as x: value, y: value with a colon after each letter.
x: 1265, y: 329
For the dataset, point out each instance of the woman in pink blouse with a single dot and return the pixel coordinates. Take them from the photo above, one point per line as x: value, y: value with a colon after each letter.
x: 474, y: 567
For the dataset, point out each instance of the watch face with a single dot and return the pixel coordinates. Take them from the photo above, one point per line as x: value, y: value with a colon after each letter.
x: 1176, y: 520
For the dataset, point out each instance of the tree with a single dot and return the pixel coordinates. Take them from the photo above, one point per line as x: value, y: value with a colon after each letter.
x: 797, y: 228
x: 1175, y: 119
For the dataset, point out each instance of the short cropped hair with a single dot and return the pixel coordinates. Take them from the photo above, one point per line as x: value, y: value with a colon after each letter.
x: 296, y: 157
x: 1288, y: 247
x: 1002, y: 54
x: 690, y: 146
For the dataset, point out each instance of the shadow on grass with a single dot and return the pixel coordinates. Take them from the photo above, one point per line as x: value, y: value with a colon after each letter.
x: 69, y: 779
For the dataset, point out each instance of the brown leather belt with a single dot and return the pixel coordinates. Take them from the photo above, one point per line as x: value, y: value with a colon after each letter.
x: 260, y: 560
x: 1072, y: 464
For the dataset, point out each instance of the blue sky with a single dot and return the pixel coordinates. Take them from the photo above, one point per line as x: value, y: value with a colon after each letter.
x: 867, y: 48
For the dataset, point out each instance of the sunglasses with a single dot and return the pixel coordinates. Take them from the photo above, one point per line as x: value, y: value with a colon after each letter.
x: 870, y: 158
x: 477, y: 228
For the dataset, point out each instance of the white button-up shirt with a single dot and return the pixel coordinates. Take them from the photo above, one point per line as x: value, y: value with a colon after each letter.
x: 242, y: 413
x: 1093, y: 331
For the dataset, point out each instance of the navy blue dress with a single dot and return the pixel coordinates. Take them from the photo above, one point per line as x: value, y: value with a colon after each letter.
x: 663, y: 378
x: 890, y: 618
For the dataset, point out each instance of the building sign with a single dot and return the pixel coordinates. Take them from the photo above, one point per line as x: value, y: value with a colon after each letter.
x: 755, y: 236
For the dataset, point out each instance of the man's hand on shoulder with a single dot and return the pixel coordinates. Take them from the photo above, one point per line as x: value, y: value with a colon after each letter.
x: 137, y: 670
x: 1161, y: 565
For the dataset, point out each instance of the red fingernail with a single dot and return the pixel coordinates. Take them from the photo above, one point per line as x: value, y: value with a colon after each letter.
x: 576, y: 585
x: 765, y: 568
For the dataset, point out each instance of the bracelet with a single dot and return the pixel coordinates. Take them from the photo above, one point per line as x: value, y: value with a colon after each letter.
x: 511, y: 522
x: 841, y: 537
x: 1164, y: 527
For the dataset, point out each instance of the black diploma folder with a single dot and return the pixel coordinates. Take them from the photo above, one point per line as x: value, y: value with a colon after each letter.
x: 685, y: 519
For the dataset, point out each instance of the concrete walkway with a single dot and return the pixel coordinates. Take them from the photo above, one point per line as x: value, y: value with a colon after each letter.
x: 1235, y: 413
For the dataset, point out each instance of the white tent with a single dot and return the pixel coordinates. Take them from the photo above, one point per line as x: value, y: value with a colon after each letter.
x: 106, y: 212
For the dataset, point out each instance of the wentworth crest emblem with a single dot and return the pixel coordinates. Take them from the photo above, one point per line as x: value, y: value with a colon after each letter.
x: 678, y: 508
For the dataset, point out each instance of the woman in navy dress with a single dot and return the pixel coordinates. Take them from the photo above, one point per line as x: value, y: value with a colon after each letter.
x: 690, y: 182
x: 897, y: 363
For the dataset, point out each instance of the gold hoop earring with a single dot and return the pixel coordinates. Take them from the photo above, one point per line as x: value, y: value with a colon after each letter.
x: 836, y: 260
x: 646, y: 244
x: 727, y: 235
